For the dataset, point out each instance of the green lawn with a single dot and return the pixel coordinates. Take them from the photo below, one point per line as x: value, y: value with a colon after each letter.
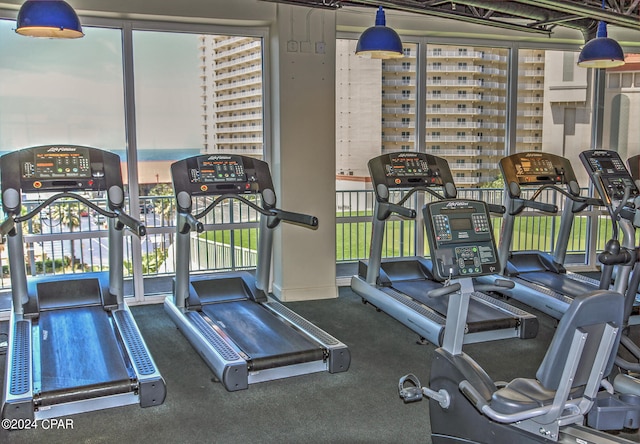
x: 353, y: 238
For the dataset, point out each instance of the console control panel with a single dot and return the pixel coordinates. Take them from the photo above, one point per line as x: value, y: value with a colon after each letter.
x: 461, y: 240
x: 409, y: 169
x: 220, y: 174
x: 536, y: 168
x: 55, y: 168
x: 607, y: 167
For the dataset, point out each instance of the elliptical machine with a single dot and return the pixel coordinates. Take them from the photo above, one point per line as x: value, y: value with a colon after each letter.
x: 465, y: 404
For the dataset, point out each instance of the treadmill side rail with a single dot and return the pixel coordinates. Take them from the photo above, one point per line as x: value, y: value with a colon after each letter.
x: 339, y: 355
x: 18, y: 395
x: 227, y: 365
x: 151, y: 386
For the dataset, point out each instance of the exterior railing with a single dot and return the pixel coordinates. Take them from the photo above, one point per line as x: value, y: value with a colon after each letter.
x: 69, y: 238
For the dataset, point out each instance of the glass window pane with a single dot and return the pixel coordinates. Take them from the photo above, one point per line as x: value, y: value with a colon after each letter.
x: 61, y: 91
x: 553, y: 108
x: 195, y: 94
x: 67, y: 92
x: 466, y: 109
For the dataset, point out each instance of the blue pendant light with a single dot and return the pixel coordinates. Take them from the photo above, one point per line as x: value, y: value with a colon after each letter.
x: 379, y: 41
x: 601, y: 52
x: 48, y: 18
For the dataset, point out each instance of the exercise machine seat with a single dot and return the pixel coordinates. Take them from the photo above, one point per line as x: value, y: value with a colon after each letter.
x: 590, y: 314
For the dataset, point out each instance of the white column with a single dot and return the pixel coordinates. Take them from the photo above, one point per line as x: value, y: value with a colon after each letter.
x: 303, y: 150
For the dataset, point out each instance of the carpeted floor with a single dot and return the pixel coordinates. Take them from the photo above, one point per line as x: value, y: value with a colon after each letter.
x: 359, y: 406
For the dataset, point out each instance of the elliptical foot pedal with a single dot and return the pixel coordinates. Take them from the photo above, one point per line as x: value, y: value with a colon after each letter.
x: 412, y: 392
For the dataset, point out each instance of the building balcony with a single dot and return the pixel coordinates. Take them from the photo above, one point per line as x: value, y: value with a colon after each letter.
x: 238, y: 73
x: 467, y: 55
x: 465, y: 97
x: 250, y: 81
x: 238, y: 61
x: 466, y: 152
x: 469, y: 125
x: 462, y: 139
x: 239, y: 106
x: 240, y: 118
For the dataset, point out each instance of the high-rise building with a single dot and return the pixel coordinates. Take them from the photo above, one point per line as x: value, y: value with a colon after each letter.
x: 231, y: 94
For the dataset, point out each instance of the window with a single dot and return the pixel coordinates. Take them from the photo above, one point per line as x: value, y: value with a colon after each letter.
x: 454, y: 114
x: 84, y: 79
x: 369, y: 119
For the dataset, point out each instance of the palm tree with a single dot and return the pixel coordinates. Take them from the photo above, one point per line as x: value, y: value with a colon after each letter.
x: 68, y: 215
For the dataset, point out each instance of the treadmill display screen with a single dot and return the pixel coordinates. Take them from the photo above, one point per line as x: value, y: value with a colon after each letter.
x: 407, y: 166
x: 58, y: 162
x: 535, y: 166
x: 221, y: 169
x: 458, y: 224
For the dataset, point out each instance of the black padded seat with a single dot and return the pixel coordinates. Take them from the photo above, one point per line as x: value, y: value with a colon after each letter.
x: 589, y: 313
x: 524, y: 394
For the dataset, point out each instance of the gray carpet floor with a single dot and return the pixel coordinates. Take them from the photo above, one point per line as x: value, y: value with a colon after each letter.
x: 358, y: 406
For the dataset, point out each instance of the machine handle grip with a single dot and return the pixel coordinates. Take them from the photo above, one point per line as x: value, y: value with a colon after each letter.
x: 594, y: 201
x: 496, y: 209
x: 296, y: 218
x: 542, y: 206
x: 403, y: 211
x: 443, y: 291
x: 497, y: 285
x: 194, y: 224
x: 472, y: 395
x: 134, y: 225
x: 6, y: 226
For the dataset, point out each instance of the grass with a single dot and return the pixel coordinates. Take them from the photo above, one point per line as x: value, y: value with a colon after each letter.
x: 353, y: 239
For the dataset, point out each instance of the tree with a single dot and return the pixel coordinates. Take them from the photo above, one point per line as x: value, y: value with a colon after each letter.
x: 497, y: 183
x: 68, y: 215
x: 163, y: 204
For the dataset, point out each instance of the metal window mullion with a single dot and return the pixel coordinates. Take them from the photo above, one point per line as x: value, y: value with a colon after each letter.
x: 132, y: 151
x: 421, y: 126
x: 512, y: 102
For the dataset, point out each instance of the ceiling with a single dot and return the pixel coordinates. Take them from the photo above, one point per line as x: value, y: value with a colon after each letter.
x: 536, y: 16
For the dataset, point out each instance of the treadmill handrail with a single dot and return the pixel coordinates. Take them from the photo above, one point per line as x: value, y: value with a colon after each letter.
x: 551, y: 208
x: 50, y: 200
x: 277, y: 213
x: 136, y: 226
x: 224, y: 197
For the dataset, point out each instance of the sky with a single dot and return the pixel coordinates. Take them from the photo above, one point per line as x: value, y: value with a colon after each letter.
x: 71, y: 91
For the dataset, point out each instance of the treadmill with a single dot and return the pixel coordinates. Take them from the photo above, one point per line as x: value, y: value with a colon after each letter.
x: 541, y: 280
x: 73, y: 343
x: 399, y: 286
x: 243, y: 335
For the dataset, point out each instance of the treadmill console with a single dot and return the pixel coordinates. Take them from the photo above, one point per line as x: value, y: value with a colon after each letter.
x: 608, y: 167
x: 536, y: 168
x: 57, y: 168
x: 407, y: 170
x: 461, y: 239
x: 220, y: 174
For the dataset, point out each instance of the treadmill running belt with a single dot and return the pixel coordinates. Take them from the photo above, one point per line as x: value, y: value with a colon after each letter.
x: 260, y: 334
x: 478, y: 313
x: 560, y: 283
x: 78, y: 347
